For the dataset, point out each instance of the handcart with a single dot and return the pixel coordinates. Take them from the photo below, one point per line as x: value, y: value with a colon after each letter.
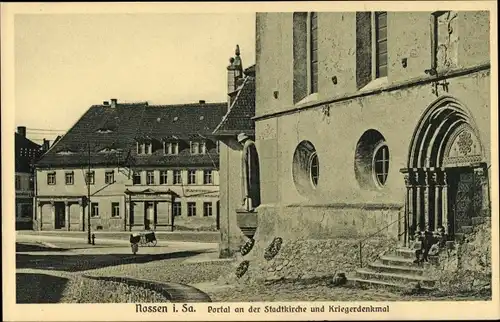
x: 148, y: 238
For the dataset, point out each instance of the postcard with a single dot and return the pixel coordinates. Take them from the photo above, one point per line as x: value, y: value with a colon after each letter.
x: 250, y: 161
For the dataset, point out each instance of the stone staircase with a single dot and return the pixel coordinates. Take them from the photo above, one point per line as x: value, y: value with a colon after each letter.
x: 396, y: 270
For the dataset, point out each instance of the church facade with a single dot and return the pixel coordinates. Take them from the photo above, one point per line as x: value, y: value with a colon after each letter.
x: 371, y: 123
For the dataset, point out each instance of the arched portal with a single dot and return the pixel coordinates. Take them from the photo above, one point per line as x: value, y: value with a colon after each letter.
x: 250, y: 176
x: 446, y: 175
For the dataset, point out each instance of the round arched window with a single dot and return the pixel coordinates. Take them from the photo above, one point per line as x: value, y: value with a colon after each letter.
x: 305, y: 168
x: 371, y: 163
x: 381, y: 164
x: 314, y: 169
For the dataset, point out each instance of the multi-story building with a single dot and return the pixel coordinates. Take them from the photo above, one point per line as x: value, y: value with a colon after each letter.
x: 148, y: 167
x: 364, y: 119
x: 27, y: 153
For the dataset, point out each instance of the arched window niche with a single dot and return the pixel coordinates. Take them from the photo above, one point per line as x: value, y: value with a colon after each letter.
x: 305, y: 168
x: 250, y: 183
x: 372, y: 160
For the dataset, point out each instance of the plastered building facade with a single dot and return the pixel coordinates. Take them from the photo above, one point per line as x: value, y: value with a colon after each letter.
x: 366, y: 120
x: 151, y: 168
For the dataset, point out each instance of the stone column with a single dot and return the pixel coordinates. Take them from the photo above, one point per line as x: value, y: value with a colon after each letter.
x: 444, y: 202
x: 408, y: 220
x: 53, y: 214
x: 67, y: 216
x: 427, y: 203
x: 437, y: 205
x: 40, y: 219
x: 82, y: 215
x: 418, y: 200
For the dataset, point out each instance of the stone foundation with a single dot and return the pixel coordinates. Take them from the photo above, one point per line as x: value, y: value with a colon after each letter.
x: 316, y: 243
x: 467, y: 267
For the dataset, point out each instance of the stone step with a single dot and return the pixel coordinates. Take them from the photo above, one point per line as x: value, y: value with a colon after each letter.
x: 392, y: 260
x: 467, y: 229
x: 394, y: 278
x: 357, y: 282
x: 380, y: 267
x: 405, y: 252
x: 476, y: 221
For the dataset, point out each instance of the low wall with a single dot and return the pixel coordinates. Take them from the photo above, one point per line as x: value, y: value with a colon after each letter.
x: 317, y: 241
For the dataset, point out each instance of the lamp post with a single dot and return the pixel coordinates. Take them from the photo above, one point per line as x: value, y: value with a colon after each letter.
x: 89, y: 239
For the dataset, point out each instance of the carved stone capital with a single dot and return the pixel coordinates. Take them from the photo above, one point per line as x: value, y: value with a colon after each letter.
x: 407, y: 180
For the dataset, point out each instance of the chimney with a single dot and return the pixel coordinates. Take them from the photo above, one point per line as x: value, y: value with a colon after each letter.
x: 46, y: 145
x: 21, y: 130
x: 114, y: 102
x: 234, y: 74
x: 202, y: 102
x: 105, y: 103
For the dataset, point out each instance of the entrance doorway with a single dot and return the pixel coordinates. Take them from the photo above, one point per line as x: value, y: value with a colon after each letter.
x: 60, y: 215
x: 149, y: 216
x: 446, y: 177
x: 465, y: 197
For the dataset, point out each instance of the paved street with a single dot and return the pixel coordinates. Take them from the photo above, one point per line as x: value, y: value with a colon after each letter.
x: 44, y: 259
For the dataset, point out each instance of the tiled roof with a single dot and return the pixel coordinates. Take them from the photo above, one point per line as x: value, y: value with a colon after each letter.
x: 238, y: 118
x: 250, y: 71
x: 26, y: 153
x: 113, y: 134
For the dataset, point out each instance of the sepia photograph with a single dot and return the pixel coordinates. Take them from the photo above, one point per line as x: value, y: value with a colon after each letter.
x: 277, y: 156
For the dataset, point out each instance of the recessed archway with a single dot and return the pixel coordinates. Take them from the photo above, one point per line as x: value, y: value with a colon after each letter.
x: 445, y: 174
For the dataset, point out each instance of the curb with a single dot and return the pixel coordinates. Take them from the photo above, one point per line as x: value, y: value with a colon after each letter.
x: 175, y: 292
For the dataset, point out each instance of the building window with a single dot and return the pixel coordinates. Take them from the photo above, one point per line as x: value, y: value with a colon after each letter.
x: 314, y: 169
x: 148, y: 148
x: 163, y: 177
x: 115, y: 209
x: 69, y: 178
x: 371, y: 47
x: 150, y: 177
x: 305, y: 168
x: 90, y: 177
x: 18, y: 182
x: 371, y: 163
x: 444, y: 40
x: 191, y: 209
x: 381, y: 164
x: 381, y: 44
x: 171, y: 148
x: 305, y: 54
x: 177, y: 177
x: 140, y: 148
x: 109, y: 177
x: 207, y: 209
x: 177, y: 209
x: 191, y: 176
x: 313, y: 51
x: 195, y: 147
x: 94, y: 210
x: 207, y: 177
x: 136, y: 178
x: 51, y: 178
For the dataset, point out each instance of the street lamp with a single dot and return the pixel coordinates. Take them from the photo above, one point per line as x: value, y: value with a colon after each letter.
x: 89, y: 239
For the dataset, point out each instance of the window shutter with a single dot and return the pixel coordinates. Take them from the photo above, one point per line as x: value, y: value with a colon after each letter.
x: 363, y: 48
x: 299, y: 56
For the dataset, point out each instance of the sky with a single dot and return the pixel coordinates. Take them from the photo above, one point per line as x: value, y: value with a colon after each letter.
x: 64, y: 63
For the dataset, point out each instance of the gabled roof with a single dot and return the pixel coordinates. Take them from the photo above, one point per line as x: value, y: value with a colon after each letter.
x: 113, y: 133
x: 238, y: 118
